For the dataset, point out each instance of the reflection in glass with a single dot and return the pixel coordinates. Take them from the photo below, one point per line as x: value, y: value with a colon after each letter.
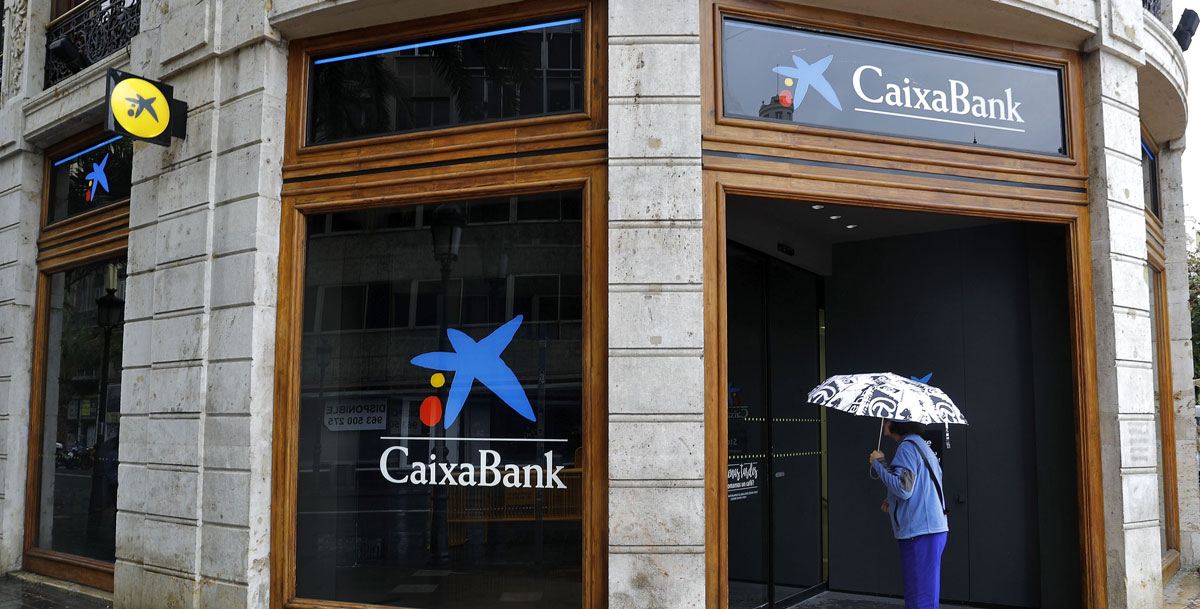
x: 378, y: 522
x: 504, y: 72
x: 1157, y: 317
x: 82, y: 408
x: 91, y: 177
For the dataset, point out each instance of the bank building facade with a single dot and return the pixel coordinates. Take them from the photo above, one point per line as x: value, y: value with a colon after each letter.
x: 463, y: 304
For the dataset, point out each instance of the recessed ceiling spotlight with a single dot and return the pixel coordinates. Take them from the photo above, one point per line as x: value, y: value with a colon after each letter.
x: 818, y: 207
x: 835, y: 217
x: 851, y: 226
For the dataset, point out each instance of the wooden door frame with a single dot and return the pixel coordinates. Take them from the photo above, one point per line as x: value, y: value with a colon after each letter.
x: 93, y: 236
x: 718, y: 184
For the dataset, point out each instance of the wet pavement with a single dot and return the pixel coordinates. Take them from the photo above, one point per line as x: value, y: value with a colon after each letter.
x: 18, y: 594
x: 1182, y: 591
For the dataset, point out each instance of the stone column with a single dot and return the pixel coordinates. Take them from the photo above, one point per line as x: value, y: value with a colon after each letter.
x: 20, y: 224
x: 1122, y: 311
x: 656, y: 325
x: 1183, y: 396
x: 193, y: 526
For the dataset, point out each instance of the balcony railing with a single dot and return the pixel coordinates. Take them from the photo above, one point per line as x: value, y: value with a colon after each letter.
x: 88, y: 33
x: 1154, y: 6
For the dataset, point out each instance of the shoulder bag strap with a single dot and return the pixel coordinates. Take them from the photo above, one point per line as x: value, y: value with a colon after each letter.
x: 932, y: 477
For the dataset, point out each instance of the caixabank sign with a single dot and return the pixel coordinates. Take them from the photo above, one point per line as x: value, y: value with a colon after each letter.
x: 828, y: 80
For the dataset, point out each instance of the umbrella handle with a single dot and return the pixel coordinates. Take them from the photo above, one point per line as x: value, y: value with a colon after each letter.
x: 879, y: 441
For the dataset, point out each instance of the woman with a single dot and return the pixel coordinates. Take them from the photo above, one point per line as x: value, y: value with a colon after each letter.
x: 918, y: 511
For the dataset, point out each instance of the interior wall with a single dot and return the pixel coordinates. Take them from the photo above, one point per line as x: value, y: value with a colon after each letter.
x: 984, y: 310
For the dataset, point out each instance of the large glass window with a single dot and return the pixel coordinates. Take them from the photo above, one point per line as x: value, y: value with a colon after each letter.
x: 81, y: 411
x: 502, y: 72
x: 440, y: 445
x: 90, y: 177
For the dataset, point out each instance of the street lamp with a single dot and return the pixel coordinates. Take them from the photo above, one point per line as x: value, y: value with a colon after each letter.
x: 446, y: 228
x: 110, y: 314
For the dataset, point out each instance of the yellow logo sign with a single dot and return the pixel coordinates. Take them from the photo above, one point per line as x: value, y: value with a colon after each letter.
x: 140, y: 108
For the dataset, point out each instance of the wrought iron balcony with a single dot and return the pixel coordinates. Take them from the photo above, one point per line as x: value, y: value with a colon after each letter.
x: 1154, y: 6
x: 88, y: 33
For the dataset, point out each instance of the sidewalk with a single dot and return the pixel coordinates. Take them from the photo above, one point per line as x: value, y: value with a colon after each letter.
x: 1181, y: 592
x: 17, y: 593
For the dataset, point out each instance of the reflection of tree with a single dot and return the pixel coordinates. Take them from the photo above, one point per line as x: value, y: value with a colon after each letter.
x: 506, y: 63
x: 349, y: 98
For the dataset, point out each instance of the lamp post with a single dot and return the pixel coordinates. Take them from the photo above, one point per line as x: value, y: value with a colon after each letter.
x: 446, y: 227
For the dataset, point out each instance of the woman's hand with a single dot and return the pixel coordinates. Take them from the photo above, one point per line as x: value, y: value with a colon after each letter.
x: 875, y: 455
x: 884, y: 508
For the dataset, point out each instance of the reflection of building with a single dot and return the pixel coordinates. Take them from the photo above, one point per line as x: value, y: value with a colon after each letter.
x: 775, y: 109
x: 684, y: 274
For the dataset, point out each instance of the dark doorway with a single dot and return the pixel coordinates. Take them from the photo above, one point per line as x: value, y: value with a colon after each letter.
x: 817, y: 290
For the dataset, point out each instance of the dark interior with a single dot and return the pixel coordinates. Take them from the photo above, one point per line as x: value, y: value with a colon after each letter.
x: 817, y: 290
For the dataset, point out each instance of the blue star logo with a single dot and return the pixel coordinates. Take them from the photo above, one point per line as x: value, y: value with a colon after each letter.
x: 97, y: 178
x: 810, y: 76
x: 471, y: 361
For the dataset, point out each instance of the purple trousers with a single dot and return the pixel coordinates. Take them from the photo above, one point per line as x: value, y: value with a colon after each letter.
x: 921, y: 564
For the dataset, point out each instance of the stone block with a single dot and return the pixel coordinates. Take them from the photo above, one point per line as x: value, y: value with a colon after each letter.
x: 247, y: 224
x: 132, y: 481
x: 654, y: 130
x: 1123, y: 180
x: 222, y: 594
x: 655, y: 451
x: 677, y: 382
x: 182, y: 237
x: 142, y: 255
x: 196, y: 147
x: 252, y: 171
x: 1135, y: 389
x: 1108, y: 75
x: 160, y: 590
x: 650, y: 320
x: 227, y: 497
x: 229, y: 387
x: 240, y: 332
x: 663, y: 581
x: 245, y: 278
x: 1143, y: 567
x: 136, y: 342
x: 133, y: 436
x: 1130, y: 284
x: 173, y: 441
x: 169, y: 492
x: 1139, y: 444
x: 177, y: 338
x: 135, y: 391
x: 182, y: 287
x: 127, y: 583
x: 139, y: 296
x: 1139, y: 496
x: 655, y: 255
x: 169, y: 545
x: 188, y: 28
x: 655, y: 516
x: 640, y: 69
x: 224, y: 553
x: 242, y: 122
x: 183, y: 187
x: 1132, y: 331
x: 659, y: 18
x: 227, y: 442
x: 177, y: 390
x: 253, y: 68
x: 1126, y: 232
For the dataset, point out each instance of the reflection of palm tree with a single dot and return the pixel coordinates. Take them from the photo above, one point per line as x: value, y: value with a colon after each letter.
x: 349, y: 98
x: 506, y: 63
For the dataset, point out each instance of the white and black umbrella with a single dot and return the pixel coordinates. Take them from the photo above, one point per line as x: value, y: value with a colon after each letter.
x: 888, y: 396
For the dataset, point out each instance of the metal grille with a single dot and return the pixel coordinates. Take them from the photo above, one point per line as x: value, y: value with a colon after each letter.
x: 88, y: 33
x: 1154, y: 6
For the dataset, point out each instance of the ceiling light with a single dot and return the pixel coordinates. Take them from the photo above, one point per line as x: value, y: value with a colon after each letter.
x: 851, y: 226
x: 835, y: 217
x: 818, y: 207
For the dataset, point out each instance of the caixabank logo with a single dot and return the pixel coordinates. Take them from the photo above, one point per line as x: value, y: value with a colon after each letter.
x: 472, y: 361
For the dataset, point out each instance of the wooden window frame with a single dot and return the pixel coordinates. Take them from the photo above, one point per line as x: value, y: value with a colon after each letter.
x: 1156, y: 260
x: 521, y: 156
x: 828, y: 145
x: 458, y: 142
x: 815, y: 165
x: 93, y: 236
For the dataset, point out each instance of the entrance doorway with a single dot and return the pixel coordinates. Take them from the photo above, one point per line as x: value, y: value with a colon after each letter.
x: 815, y: 290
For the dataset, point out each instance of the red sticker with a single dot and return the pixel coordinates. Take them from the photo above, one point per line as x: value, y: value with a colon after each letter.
x: 785, y: 98
x: 431, y: 411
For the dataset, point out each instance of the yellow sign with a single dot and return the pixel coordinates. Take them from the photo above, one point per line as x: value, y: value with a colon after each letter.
x: 140, y: 108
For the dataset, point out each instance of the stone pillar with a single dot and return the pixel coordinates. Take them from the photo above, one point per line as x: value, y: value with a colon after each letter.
x: 1122, y: 310
x: 1183, y: 396
x: 20, y: 224
x: 656, y: 325
x: 197, y: 387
